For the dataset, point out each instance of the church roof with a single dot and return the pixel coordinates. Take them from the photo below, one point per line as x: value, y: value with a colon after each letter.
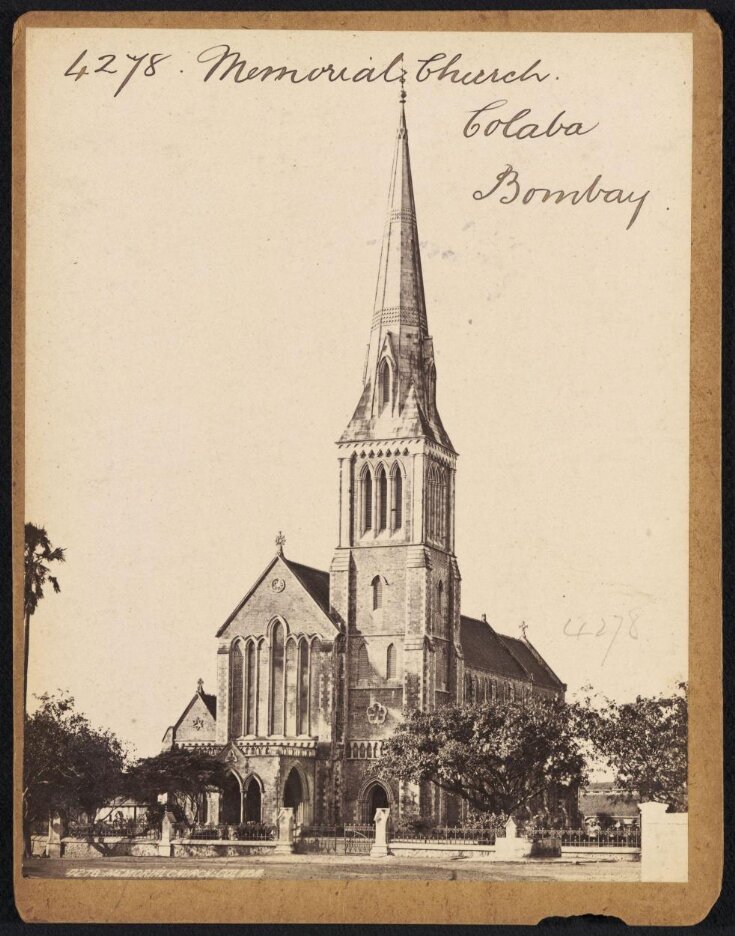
x: 532, y: 661
x: 485, y: 649
x: 607, y: 804
x: 210, y: 700
x: 315, y: 581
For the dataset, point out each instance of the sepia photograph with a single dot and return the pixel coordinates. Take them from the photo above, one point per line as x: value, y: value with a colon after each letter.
x: 356, y: 455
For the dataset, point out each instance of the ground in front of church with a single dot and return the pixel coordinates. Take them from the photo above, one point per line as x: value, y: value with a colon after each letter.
x: 304, y: 867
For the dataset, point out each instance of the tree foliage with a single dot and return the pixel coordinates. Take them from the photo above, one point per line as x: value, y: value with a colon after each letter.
x: 67, y: 763
x: 180, y: 774
x: 496, y: 757
x: 38, y: 554
x: 645, y: 743
x: 37, y: 557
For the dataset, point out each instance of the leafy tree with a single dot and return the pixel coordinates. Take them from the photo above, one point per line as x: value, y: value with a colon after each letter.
x: 182, y: 775
x: 67, y: 763
x: 37, y: 556
x: 496, y: 757
x: 645, y: 743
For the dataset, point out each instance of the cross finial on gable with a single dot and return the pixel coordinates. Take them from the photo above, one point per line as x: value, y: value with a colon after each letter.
x: 200, y: 685
x: 280, y: 543
x: 524, y: 628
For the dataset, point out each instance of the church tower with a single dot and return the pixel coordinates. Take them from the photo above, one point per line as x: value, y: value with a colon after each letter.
x: 394, y: 580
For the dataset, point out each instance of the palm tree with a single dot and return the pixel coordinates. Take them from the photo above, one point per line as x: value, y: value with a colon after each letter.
x: 38, y: 554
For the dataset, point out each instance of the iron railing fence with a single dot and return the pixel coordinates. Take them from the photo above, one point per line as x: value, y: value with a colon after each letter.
x: 126, y: 828
x: 448, y: 835
x: 323, y: 839
x: 584, y: 838
x: 359, y: 838
x: 245, y: 831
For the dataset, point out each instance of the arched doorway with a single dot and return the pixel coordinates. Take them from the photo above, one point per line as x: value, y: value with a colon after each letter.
x: 376, y: 797
x: 231, y: 800
x: 293, y: 794
x: 253, y: 799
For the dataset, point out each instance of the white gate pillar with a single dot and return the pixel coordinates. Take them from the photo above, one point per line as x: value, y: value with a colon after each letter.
x: 380, y: 845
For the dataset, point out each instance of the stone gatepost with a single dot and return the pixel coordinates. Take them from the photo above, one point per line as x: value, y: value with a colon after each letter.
x: 664, y: 843
x: 380, y: 845
x: 56, y: 831
x: 511, y: 847
x: 165, y: 849
x: 286, y: 825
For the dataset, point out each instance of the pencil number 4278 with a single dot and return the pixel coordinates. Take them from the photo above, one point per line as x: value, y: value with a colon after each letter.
x: 108, y: 65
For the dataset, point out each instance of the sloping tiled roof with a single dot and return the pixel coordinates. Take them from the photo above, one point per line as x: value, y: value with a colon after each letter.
x: 484, y: 650
x: 315, y: 581
x: 542, y: 674
x: 607, y: 804
x: 210, y: 700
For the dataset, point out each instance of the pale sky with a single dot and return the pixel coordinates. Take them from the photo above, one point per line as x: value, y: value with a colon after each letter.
x: 201, y: 271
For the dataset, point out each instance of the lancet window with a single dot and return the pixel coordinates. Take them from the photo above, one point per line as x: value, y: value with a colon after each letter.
x: 366, y: 499
x: 390, y: 662
x: 396, y: 477
x: 385, y: 380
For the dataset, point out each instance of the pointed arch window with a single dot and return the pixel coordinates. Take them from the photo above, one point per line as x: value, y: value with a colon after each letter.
x: 303, y: 728
x: 390, y: 662
x: 252, y: 671
x: 363, y: 663
x: 277, y: 674
x: 385, y: 380
x: 396, y: 508
x: 377, y: 587
x: 440, y: 607
x: 366, y: 492
x: 431, y: 486
x: 382, y: 482
x: 441, y: 506
x: 236, y: 691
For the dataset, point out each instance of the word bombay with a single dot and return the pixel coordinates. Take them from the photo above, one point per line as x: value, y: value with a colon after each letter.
x: 509, y: 189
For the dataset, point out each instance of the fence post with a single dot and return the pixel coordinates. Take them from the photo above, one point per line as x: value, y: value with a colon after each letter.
x: 380, y: 845
x: 511, y: 847
x: 56, y: 831
x: 164, y: 843
x: 285, y: 821
x: 664, y: 843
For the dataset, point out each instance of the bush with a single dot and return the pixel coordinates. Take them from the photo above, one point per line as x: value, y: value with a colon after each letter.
x: 415, y: 825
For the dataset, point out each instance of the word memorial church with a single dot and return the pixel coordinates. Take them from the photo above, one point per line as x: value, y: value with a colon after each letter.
x: 315, y: 669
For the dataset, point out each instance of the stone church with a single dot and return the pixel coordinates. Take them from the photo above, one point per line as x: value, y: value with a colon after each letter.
x: 314, y: 668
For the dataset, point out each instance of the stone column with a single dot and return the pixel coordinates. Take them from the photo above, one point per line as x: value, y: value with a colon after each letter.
x: 664, y: 843
x: 285, y: 822
x: 167, y: 828
x: 213, y: 807
x: 380, y: 845
x: 511, y: 847
x: 56, y: 831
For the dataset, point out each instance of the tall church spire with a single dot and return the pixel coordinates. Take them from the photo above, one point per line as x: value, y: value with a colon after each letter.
x: 399, y: 297
x: 399, y: 382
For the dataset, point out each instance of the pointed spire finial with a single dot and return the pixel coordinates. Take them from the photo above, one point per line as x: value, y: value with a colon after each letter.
x: 402, y: 80
x: 280, y: 543
x: 200, y: 686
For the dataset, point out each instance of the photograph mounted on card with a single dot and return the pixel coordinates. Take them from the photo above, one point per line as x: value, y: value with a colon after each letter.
x: 365, y: 369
